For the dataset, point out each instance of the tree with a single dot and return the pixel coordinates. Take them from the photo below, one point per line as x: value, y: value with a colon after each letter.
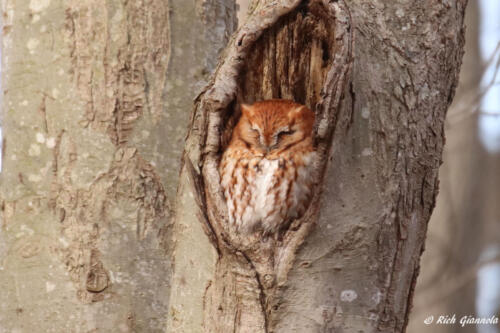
x: 381, y: 130
x: 96, y: 98
x: 95, y: 201
x: 447, y: 282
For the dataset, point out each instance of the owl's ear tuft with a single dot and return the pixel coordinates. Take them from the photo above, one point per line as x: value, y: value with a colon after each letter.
x: 247, y: 110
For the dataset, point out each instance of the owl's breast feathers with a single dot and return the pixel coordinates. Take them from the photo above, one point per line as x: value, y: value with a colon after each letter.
x: 265, y: 193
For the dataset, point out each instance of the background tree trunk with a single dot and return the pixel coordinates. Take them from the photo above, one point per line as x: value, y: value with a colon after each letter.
x: 357, y: 269
x: 96, y: 100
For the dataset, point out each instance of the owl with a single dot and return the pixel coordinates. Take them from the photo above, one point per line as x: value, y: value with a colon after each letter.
x: 269, y: 166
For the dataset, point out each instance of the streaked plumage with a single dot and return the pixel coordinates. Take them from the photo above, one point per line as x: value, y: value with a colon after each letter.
x: 269, y: 166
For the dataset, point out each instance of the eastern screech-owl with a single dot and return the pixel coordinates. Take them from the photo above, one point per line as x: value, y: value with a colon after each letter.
x: 269, y: 167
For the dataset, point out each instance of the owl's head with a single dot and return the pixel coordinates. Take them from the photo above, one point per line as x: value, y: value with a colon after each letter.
x: 275, y: 125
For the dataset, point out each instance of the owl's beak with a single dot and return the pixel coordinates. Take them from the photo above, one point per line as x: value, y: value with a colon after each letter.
x: 265, y: 148
x: 269, y: 149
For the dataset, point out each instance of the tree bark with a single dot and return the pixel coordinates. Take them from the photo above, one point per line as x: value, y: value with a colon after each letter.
x: 447, y: 282
x: 380, y: 131
x: 96, y: 99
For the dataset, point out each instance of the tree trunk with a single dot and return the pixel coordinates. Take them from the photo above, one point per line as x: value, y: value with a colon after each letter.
x: 447, y: 282
x: 380, y: 77
x: 96, y: 100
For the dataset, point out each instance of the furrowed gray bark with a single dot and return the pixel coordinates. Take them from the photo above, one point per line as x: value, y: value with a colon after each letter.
x: 350, y: 264
x: 360, y: 264
x: 96, y: 101
x: 447, y: 283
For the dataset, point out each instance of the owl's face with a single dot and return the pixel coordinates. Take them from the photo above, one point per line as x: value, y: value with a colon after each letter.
x: 275, y: 125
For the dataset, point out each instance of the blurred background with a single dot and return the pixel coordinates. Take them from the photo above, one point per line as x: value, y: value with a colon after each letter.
x: 460, y: 268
